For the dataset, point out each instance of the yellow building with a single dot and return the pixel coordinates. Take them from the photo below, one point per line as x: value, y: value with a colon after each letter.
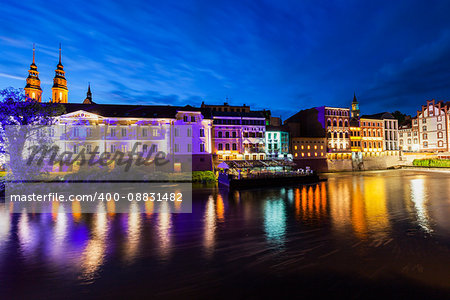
x: 371, y: 136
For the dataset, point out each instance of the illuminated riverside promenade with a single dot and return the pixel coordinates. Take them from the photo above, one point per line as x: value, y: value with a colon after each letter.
x: 357, y: 234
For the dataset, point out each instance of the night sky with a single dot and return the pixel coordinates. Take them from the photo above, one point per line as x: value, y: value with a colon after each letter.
x: 281, y: 56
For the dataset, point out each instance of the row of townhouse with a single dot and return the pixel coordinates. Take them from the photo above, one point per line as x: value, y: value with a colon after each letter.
x: 207, y: 136
x: 341, y: 133
x: 428, y: 131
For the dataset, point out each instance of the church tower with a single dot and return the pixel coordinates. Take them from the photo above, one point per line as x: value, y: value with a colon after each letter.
x: 355, y: 107
x: 59, y: 89
x: 33, y: 89
x: 88, y: 99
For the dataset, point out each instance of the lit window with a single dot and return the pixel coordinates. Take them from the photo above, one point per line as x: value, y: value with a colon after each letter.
x: 295, y: 147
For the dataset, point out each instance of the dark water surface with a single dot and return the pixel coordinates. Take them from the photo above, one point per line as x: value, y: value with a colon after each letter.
x: 371, y: 234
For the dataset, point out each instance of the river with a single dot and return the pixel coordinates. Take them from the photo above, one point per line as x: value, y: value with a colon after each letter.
x: 368, y: 234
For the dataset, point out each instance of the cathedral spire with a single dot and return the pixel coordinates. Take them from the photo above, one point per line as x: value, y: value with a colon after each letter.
x: 33, y: 54
x: 33, y: 89
x: 59, y: 54
x: 59, y: 89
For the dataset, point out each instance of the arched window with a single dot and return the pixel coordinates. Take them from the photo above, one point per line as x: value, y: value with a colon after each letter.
x: 341, y: 147
x: 341, y: 135
x: 340, y: 123
x: 329, y: 123
x: 334, y: 123
x: 219, y: 134
x: 346, y: 123
x: 346, y: 134
x: 329, y: 134
x: 335, y: 135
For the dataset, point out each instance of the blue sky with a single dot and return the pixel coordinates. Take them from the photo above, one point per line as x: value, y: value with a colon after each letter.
x: 280, y: 55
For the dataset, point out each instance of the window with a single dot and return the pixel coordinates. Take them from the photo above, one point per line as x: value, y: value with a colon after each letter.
x: 192, y: 118
x: 329, y: 123
x: 425, y: 136
x: 340, y: 123
x: 154, y: 132
x: 113, y: 148
x: 144, y: 148
x: 440, y: 143
x: 234, y: 146
x: 334, y: 123
x: 425, y: 144
x: 202, y: 132
x: 89, y: 148
x: 439, y: 126
x: 76, y: 132
x: 440, y: 135
x: 176, y: 148
x: 177, y: 132
x: 234, y: 134
x: 185, y: 118
x: 227, y: 146
x: 219, y: 134
x: 189, y: 147
x: 113, y: 132
x: 88, y: 132
x: 424, y: 121
x: 144, y: 132
x: 75, y: 149
x: 227, y: 134
x: 189, y: 132
x: 409, y: 141
x: 424, y: 128
x: 202, y: 147
x: 154, y: 148
x: 124, y: 132
x: 124, y: 148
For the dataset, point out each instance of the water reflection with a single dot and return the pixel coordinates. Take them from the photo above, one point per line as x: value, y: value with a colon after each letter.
x: 367, y: 209
x: 209, y: 227
x: 419, y: 199
x: 94, y: 254
x: 164, y: 226
x: 275, y: 221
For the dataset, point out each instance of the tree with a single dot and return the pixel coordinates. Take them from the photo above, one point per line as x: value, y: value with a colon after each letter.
x: 20, y: 119
x: 399, y: 116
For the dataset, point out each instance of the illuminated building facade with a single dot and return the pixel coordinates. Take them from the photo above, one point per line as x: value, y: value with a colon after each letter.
x: 389, y: 123
x: 277, y: 142
x: 432, y: 123
x: 371, y: 136
x: 309, y: 147
x: 408, y: 136
x: 172, y: 130
x: 238, y: 136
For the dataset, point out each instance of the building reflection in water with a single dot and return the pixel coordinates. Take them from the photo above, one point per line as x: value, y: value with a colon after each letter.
x: 28, y: 236
x: 133, y: 233
x: 209, y: 227
x: 419, y: 198
x: 359, y: 203
x: 58, y: 242
x: 310, y: 203
x: 275, y: 221
x: 94, y: 254
x: 377, y: 218
x: 164, y: 227
x: 5, y: 225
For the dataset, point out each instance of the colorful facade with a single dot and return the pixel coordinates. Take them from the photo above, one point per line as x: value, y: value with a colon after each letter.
x: 277, y: 142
